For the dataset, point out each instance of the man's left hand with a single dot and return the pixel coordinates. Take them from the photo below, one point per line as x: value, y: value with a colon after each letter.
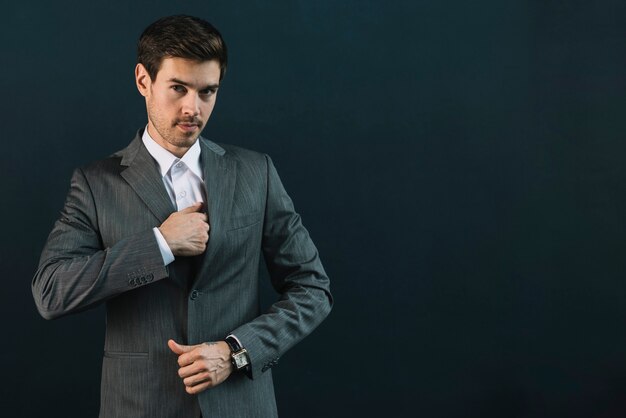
x: 202, y: 366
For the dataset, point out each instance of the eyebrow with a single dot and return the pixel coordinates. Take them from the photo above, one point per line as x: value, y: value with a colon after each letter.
x: 184, y: 83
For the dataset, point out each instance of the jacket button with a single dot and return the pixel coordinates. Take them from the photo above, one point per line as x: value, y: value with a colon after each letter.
x: 194, y: 295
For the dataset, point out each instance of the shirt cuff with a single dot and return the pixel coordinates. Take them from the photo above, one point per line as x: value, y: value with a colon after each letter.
x: 166, y: 253
x: 236, y: 339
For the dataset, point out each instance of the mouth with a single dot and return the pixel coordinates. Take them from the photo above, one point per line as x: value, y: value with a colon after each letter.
x: 188, y: 127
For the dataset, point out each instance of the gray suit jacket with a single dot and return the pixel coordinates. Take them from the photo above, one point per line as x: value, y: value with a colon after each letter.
x: 103, y: 249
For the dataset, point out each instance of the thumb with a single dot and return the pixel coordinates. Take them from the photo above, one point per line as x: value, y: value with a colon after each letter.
x: 196, y: 207
x: 179, y: 349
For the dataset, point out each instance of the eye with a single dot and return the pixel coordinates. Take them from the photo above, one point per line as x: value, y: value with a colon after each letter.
x: 179, y: 89
x: 208, y: 92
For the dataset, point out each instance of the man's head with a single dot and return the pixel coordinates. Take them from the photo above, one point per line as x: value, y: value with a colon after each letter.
x: 180, y: 37
x: 181, y: 61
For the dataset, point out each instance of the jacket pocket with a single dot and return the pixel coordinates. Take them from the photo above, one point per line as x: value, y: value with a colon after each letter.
x: 125, y: 354
x: 239, y: 222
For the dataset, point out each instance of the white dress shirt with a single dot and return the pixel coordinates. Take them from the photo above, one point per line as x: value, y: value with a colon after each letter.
x: 182, y: 178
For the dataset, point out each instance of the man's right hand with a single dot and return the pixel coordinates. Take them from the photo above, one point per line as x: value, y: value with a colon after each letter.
x: 186, y: 231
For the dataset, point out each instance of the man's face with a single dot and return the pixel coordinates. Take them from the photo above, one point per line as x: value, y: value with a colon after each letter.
x: 179, y: 100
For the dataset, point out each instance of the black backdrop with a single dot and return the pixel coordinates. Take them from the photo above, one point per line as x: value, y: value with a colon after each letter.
x: 459, y: 165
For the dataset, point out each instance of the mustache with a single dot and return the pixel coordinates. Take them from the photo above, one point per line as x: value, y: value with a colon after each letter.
x: 191, y: 121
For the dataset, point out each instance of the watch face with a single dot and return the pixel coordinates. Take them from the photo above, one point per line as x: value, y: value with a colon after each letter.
x: 240, y: 360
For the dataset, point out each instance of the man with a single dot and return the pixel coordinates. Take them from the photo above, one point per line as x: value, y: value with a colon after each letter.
x: 168, y: 233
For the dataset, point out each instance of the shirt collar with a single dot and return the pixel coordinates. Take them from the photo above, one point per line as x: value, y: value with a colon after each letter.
x: 165, y: 159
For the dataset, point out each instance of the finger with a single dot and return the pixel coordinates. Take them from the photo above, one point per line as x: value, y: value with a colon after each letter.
x: 201, y: 219
x: 193, y: 390
x: 196, y: 207
x: 191, y: 369
x: 175, y: 347
x: 179, y: 348
x: 197, y: 378
x: 190, y: 357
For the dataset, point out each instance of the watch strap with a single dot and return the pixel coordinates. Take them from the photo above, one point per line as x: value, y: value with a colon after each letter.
x: 233, y: 344
x: 238, y: 355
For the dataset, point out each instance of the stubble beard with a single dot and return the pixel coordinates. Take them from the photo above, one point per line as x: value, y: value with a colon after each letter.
x: 170, y: 133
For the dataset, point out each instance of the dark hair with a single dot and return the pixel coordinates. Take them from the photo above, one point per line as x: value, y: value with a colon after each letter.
x: 180, y: 37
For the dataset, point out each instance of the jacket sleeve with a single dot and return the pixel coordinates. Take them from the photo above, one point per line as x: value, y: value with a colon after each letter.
x: 296, y: 273
x: 75, y: 271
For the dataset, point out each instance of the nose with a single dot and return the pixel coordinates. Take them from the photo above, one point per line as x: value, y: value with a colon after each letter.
x: 191, y: 105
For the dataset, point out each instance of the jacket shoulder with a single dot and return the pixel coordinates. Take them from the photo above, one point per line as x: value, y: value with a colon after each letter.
x: 114, y: 163
x: 244, y: 155
x: 251, y: 165
x: 110, y: 164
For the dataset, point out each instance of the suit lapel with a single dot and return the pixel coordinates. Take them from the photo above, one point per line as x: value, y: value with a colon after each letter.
x: 220, y: 175
x: 143, y: 176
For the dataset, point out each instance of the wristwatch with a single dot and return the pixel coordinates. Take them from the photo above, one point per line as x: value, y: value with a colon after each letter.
x: 238, y: 354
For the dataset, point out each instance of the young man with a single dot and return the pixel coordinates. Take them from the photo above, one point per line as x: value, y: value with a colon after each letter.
x: 168, y: 233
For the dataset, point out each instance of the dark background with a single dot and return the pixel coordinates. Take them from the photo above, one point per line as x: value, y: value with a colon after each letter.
x: 458, y: 164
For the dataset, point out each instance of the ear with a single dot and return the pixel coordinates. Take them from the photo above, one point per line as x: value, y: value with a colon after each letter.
x: 142, y: 79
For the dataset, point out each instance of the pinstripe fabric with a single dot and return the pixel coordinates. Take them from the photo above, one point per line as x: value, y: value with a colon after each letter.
x: 102, y: 249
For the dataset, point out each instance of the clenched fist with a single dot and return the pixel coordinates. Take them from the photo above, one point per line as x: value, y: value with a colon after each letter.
x: 186, y: 231
x: 202, y: 366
